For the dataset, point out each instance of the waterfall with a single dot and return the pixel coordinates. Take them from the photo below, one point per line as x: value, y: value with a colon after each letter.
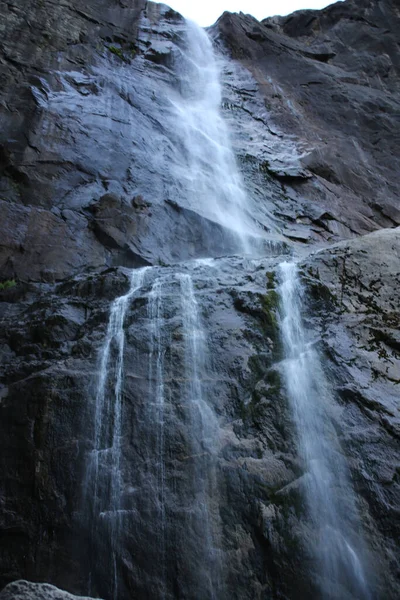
x: 173, y: 498
x: 195, y: 358
x: 157, y: 398
x: 181, y: 435
x: 206, y: 166
x: 103, y: 477
x: 204, y: 440
x: 327, y: 487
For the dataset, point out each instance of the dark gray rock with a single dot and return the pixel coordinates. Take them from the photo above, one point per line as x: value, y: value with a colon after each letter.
x: 39, y: 245
x: 354, y: 288
x: 319, y: 88
x: 87, y: 188
x: 142, y: 232
x: 64, y: 145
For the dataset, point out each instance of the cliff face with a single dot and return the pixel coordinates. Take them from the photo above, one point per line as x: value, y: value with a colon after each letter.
x: 89, y: 156
x: 324, y: 107
x: 75, y: 169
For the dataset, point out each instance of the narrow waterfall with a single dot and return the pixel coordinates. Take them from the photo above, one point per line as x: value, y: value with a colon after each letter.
x: 157, y: 401
x: 195, y: 357
x: 327, y: 487
x: 103, y: 477
x: 204, y: 442
x: 175, y: 479
x: 207, y: 168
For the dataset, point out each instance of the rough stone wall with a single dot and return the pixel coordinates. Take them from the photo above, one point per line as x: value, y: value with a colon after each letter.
x: 324, y: 110
x: 85, y: 190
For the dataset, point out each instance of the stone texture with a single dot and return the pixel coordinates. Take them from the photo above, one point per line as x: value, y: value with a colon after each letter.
x: 87, y: 153
x: 74, y: 81
x: 354, y: 299
x: 24, y: 590
x: 318, y: 91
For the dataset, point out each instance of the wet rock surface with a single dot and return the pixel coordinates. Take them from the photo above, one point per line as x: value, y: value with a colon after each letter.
x: 87, y: 149
x: 320, y: 110
x: 50, y: 361
x: 75, y: 81
x: 50, y: 371
x: 354, y: 298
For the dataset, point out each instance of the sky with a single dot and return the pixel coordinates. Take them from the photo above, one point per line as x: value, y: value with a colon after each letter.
x: 206, y: 12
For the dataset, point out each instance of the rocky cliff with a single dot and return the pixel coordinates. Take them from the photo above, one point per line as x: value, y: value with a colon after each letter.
x: 89, y: 156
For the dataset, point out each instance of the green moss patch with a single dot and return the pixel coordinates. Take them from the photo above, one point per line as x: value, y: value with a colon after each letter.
x: 118, y: 52
x: 6, y: 285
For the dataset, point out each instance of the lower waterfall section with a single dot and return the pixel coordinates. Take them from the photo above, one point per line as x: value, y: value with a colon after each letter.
x: 102, y: 486
x: 182, y: 503
x: 203, y: 429
x: 151, y: 480
x: 337, y: 545
x: 157, y: 402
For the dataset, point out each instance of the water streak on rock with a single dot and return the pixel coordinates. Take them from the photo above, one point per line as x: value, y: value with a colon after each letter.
x: 338, y: 549
x: 204, y: 440
x: 157, y: 400
x: 103, y: 477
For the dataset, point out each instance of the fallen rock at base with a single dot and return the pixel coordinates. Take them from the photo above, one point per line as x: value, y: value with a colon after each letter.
x: 26, y: 590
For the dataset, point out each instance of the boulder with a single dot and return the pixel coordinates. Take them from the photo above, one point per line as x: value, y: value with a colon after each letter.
x: 25, y: 590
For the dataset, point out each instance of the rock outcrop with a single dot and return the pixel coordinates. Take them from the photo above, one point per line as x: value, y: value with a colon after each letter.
x: 354, y: 298
x: 74, y: 82
x: 88, y: 190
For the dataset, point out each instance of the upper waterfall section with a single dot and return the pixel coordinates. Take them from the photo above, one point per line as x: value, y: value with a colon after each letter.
x: 203, y: 163
x: 86, y: 173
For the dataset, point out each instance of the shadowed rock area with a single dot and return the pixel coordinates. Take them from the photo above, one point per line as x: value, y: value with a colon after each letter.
x: 89, y: 189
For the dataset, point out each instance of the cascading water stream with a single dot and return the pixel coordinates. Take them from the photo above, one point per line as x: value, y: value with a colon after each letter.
x: 209, y: 175
x: 204, y: 437
x: 327, y: 487
x: 195, y: 354
x: 157, y: 399
x: 103, y: 476
x: 170, y: 301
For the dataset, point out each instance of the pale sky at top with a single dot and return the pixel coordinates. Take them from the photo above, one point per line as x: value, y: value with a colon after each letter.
x: 206, y: 12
